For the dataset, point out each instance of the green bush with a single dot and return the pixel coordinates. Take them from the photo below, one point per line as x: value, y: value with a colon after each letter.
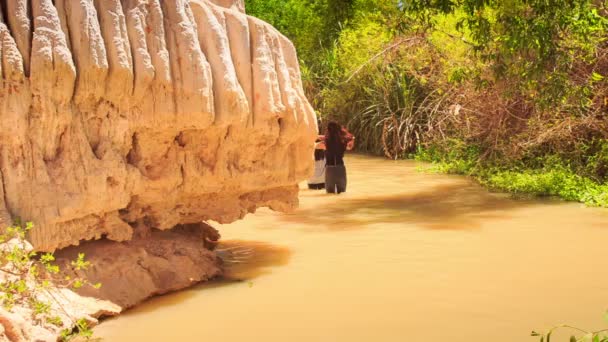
x: 560, y: 182
x: 552, y: 178
x: 29, y: 278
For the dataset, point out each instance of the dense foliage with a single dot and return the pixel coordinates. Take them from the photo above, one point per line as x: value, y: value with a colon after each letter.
x: 512, y: 92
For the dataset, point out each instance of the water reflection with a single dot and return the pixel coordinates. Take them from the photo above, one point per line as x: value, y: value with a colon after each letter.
x: 246, y: 260
x: 443, y: 206
x: 262, y: 258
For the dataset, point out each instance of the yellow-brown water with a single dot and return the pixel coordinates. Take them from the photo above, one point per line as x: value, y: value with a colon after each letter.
x: 402, y: 256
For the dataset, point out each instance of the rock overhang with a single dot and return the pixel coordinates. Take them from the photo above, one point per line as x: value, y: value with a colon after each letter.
x: 116, y: 114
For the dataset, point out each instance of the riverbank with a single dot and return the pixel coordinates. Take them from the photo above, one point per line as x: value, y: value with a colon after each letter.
x: 546, y: 176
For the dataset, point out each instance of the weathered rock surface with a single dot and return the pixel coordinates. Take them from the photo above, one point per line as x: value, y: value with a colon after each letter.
x: 129, y: 122
x: 17, y: 325
x: 116, y: 114
x: 154, y: 262
x: 23, y: 322
x: 234, y: 4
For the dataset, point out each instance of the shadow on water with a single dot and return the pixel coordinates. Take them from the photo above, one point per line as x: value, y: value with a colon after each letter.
x: 254, y: 259
x: 443, y: 207
x: 263, y: 257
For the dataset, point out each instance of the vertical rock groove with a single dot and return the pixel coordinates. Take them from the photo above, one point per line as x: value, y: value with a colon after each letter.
x: 240, y: 50
x: 231, y: 106
x: 120, y: 63
x: 88, y: 50
x: 61, y: 11
x: 5, y: 217
x: 19, y: 22
x: 45, y: 101
x: 191, y: 72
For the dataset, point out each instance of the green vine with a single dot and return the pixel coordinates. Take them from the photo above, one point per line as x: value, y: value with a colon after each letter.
x: 580, y: 336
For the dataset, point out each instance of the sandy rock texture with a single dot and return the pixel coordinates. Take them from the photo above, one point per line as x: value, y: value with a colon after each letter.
x: 17, y: 325
x: 154, y: 262
x: 121, y: 113
x: 234, y: 4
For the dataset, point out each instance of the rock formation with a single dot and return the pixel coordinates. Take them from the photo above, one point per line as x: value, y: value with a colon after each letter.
x: 51, y: 309
x: 122, y: 114
x: 124, y: 124
x: 153, y: 263
x: 238, y: 5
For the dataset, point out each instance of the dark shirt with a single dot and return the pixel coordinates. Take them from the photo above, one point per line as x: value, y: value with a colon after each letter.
x: 334, y: 152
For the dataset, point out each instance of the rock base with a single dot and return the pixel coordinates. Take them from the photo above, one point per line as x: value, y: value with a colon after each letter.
x: 153, y: 263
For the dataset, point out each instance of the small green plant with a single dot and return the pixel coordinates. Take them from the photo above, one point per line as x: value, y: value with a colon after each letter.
x: 585, y: 336
x: 581, y: 335
x: 27, y: 280
x: 81, y: 329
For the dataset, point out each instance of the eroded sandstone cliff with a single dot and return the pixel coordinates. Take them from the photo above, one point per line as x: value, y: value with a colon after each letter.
x: 117, y: 114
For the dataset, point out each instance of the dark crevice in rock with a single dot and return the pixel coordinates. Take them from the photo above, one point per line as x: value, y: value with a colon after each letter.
x: 4, y: 198
x: 132, y: 157
x: 4, y: 10
x: 59, y: 148
x: 183, y: 176
x: 180, y: 140
x: 112, y: 182
x: 253, y: 89
x: 30, y: 16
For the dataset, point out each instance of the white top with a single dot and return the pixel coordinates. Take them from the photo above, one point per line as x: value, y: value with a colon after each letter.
x: 319, y: 175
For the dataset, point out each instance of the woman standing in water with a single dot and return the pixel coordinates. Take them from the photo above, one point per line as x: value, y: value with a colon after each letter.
x: 337, y: 141
x: 317, y: 182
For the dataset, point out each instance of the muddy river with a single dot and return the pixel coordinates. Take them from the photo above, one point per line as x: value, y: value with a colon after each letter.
x: 402, y: 256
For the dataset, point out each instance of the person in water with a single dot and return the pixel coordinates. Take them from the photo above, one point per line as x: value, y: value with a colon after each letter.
x: 317, y: 182
x: 337, y: 141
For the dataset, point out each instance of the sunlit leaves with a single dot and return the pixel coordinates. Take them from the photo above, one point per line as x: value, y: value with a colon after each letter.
x: 520, y: 31
x: 80, y: 263
x: 585, y: 336
x: 596, y: 77
x: 29, y: 281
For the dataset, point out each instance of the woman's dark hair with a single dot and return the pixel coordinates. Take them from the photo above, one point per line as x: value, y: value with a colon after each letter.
x: 336, y: 133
